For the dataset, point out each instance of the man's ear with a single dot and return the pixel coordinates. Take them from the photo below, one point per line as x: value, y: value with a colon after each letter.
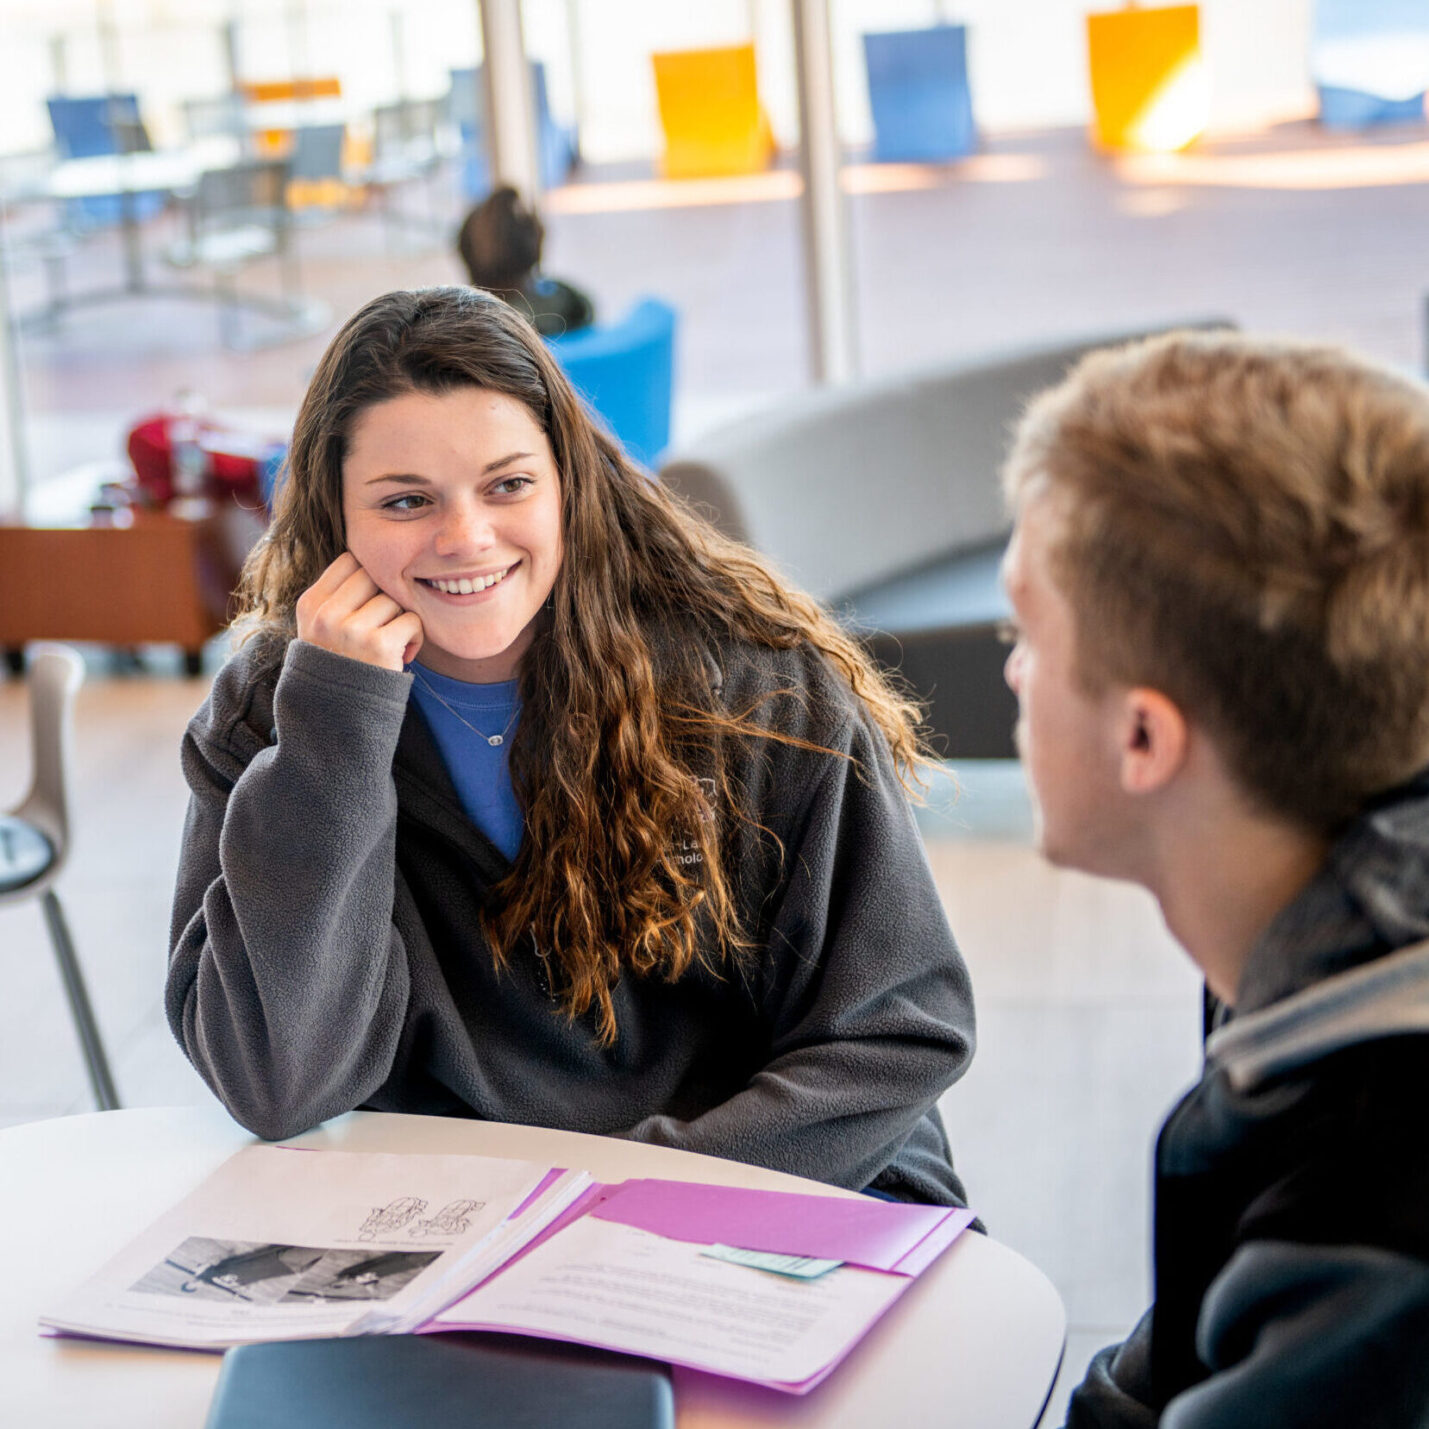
x: 1153, y: 741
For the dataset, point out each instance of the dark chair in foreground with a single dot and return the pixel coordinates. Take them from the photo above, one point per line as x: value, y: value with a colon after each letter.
x: 882, y: 499
x: 35, y: 841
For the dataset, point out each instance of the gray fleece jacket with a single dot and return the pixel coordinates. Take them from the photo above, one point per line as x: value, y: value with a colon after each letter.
x: 1292, y: 1183
x: 327, y: 954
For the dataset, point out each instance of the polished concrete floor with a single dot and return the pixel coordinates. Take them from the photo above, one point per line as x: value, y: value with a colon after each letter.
x: 1089, y: 1017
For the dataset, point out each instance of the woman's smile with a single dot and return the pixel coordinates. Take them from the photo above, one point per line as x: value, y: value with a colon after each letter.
x: 467, y: 584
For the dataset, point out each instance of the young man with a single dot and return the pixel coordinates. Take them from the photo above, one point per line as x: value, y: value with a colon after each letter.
x: 1220, y: 574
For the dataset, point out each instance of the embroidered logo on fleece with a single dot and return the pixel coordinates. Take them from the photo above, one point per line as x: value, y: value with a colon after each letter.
x: 686, y: 850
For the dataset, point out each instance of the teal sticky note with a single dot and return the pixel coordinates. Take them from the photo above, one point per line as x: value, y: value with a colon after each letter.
x: 801, y: 1267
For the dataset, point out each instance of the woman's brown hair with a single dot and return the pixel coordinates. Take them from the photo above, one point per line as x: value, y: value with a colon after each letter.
x: 618, y: 709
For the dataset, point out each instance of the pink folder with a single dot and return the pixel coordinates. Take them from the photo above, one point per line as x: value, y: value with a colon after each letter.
x: 893, y: 1237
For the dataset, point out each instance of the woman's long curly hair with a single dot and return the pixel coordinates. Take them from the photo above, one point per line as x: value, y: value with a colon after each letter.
x: 616, y: 721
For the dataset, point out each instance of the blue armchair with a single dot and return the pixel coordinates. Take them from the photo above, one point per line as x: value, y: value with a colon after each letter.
x: 626, y: 373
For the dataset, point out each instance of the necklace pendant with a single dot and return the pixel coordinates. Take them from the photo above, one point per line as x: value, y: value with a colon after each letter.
x: 494, y: 739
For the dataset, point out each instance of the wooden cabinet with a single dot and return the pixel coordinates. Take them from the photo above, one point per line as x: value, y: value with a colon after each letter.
x: 159, y: 579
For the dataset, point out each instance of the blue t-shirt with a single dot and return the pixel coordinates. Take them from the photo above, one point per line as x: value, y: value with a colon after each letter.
x: 478, y: 769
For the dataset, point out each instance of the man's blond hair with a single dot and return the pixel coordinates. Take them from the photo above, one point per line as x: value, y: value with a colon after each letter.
x: 1246, y: 528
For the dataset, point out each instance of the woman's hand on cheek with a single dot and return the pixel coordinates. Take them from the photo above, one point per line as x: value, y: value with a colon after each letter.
x: 346, y: 612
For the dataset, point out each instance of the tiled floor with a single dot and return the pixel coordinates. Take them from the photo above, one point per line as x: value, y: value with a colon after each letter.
x: 1088, y: 1019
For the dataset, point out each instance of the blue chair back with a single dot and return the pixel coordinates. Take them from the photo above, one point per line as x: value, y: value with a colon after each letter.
x: 1370, y: 61
x: 626, y: 373
x: 557, y: 142
x: 918, y: 91
x: 87, y: 126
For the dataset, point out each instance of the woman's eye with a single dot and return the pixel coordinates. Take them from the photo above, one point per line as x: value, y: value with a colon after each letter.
x: 510, y: 485
x: 408, y: 501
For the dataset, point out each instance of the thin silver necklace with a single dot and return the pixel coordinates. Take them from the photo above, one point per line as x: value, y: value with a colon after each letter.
x: 494, y: 740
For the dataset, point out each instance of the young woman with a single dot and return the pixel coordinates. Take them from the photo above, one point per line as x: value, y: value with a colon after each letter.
x: 529, y: 797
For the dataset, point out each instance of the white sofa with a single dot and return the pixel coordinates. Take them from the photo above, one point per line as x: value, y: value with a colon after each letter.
x: 882, y: 498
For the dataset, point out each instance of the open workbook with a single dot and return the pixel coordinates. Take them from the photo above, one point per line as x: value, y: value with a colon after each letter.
x: 283, y: 1243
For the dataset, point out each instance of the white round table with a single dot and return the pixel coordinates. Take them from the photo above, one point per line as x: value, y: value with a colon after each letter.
x: 975, y: 1342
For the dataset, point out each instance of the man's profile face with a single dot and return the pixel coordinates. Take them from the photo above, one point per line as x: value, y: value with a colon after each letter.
x: 1067, y: 737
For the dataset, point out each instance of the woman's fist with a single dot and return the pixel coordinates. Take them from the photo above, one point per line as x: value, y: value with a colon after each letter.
x: 345, y: 611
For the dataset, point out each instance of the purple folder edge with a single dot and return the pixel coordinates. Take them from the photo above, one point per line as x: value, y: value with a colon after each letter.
x: 874, y: 1234
x: 549, y: 1179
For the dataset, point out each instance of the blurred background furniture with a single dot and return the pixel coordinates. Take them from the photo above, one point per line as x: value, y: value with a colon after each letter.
x: 919, y: 96
x: 882, y: 498
x: 1370, y: 62
x: 274, y: 108
x: 238, y: 214
x: 315, y: 175
x: 221, y: 114
x: 35, y: 841
x: 710, y: 114
x: 160, y: 579
x: 405, y: 150
x: 1150, y: 89
x: 626, y: 372
x: 90, y: 126
x: 84, y: 124
x: 196, y: 174
x: 559, y: 144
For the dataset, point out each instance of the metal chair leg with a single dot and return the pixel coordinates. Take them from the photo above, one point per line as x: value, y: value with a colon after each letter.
x: 73, y: 979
